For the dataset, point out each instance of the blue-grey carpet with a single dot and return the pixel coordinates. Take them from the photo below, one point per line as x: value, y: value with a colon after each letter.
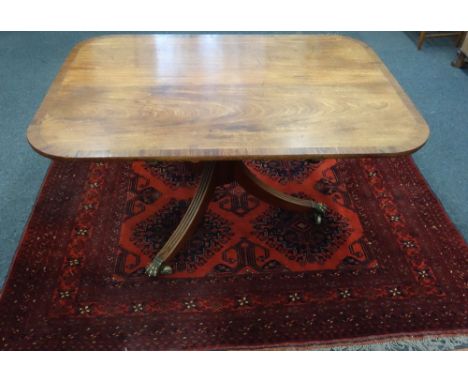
x: 30, y: 61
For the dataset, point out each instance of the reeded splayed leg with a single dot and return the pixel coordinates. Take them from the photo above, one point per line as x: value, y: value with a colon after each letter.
x: 188, y: 224
x: 261, y: 190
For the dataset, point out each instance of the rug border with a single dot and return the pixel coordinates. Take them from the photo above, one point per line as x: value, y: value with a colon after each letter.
x: 384, y: 337
x: 379, y: 339
x: 420, y: 175
x: 292, y: 346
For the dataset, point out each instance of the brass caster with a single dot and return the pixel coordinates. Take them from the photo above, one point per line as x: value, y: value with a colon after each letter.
x: 152, y: 270
x: 320, y: 211
x: 156, y: 267
x: 166, y: 270
x: 318, y: 218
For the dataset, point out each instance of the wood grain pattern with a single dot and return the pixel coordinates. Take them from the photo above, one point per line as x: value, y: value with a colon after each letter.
x: 211, y: 97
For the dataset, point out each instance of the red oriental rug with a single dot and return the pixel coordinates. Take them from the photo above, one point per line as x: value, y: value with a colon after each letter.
x: 386, y: 262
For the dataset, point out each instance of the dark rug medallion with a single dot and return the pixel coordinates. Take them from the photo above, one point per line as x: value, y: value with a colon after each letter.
x: 386, y: 261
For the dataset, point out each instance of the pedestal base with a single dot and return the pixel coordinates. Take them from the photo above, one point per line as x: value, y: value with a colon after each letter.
x: 219, y: 173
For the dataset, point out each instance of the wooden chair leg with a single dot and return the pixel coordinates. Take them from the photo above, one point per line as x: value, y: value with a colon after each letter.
x: 422, y: 38
x: 461, y: 38
x: 459, y: 61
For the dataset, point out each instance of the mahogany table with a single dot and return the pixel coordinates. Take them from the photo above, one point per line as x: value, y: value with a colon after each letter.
x: 221, y: 99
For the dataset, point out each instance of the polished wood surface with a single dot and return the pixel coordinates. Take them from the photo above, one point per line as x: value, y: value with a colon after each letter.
x: 211, y: 97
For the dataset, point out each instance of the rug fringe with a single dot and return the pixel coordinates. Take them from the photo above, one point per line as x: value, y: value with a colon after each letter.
x: 405, y: 343
x: 424, y: 344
